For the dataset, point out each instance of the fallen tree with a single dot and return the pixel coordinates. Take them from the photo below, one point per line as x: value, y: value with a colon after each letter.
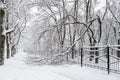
x: 51, y: 60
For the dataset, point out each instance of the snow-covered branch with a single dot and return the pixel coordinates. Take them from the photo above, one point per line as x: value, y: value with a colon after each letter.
x: 10, y: 30
x: 2, y: 5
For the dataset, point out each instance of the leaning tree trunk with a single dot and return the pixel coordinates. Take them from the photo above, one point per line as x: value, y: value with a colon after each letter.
x: 1, y: 37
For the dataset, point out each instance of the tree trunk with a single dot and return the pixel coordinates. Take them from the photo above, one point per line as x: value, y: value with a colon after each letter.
x: 7, y: 42
x: 1, y: 37
x: 7, y: 35
x: 75, y: 26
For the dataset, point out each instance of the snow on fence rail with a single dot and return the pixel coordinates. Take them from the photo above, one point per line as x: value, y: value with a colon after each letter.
x: 102, y: 57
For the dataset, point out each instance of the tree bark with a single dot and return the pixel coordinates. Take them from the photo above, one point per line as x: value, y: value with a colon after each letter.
x: 1, y: 37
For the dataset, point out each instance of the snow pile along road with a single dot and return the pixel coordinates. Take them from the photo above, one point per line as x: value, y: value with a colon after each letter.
x: 16, y: 69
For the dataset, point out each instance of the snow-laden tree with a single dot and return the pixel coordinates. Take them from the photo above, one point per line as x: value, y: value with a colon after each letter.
x: 59, y: 24
x: 57, y: 29
x: 13, y: 22
x: 2, y: 13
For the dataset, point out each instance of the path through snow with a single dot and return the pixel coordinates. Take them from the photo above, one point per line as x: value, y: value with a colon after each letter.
x: 16, y: 69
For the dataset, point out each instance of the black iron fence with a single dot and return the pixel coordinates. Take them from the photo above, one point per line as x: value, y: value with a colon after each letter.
x: 100, y: 57
x: 105, y: 58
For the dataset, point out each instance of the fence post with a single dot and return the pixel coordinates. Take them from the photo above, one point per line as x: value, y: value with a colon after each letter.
x: 108, y: 60
x: 81, y: 57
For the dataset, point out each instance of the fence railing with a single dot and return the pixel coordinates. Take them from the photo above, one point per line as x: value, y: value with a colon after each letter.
x: 105, y: 58
x: 100, y: 57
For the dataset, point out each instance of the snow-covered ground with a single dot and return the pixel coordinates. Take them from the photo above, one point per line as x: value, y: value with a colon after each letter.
x: 16, y: 69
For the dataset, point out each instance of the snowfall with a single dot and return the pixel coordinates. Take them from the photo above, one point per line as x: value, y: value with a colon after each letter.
x: 15, y: 68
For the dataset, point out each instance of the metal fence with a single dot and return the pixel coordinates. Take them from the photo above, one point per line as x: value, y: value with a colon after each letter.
x: 105, y: 58
x: 100, y: 57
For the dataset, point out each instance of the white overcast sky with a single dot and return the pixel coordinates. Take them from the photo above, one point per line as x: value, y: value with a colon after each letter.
x: 101, y: 4
x: 98, y: 6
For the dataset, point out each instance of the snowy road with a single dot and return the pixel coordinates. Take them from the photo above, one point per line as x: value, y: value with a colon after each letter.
x: 16, y: 69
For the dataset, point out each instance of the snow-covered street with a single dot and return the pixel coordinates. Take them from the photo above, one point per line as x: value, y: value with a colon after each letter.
x: 16, y: 69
